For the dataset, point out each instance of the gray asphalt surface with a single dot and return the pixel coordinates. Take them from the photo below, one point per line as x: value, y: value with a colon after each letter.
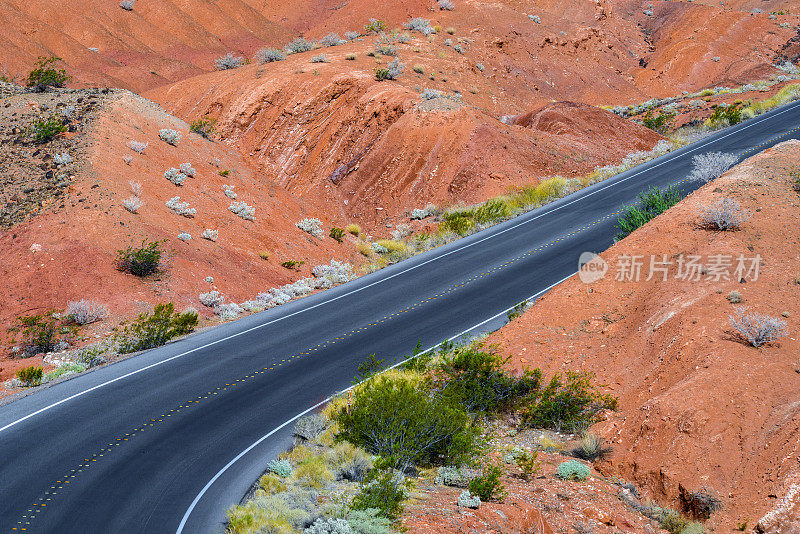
x: 134, y: 446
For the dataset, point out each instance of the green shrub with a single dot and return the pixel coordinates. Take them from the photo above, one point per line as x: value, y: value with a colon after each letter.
x: 407, y: 425
x: 488, y: 486
x: 381, y: 74
x: 272, y: 483
x: 30, y: 376
x: 374, y: 26
x: 153, y: 330
x: 384, y: 491
x: 473, y: 376
x: 652, y: 203
x: 203, y: 126
x: 292, y: 264
x: 731, y: 114
x: 39, y: 334
x: 459, y: 222
x: 569, y: 402
x: 529, y: 463
x: 573, y: 470
x: 700, y: 504
x: 337, y: 234
x: 46, y: 75
x: 492, y: 210
x: 46, y: 129
x: 140, y: 261
x: 658, y: 123
x: 313, y: 472
x: 368, y: 368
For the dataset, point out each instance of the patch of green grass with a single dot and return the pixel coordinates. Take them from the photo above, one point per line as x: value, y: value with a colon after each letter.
x: 46, y: 129
x: 154, y: 329
x: 652, y: 203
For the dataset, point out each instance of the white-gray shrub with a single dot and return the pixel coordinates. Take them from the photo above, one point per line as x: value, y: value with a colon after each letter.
x: 175, y: 176
x: 351, y: 36
x: 322, y: 58
x: 458, y: 477
x: 311, y: 225
x: 282, y: 468
x: 379, y: 249
x: 725, y: 214
x: 404, y: 37
x: 169, y: 136
x: 429, y: 210
x: 127, y: 5
x: 711, y: 165
x: 420, y: 25
x: 758, y: 329
x: 789, y: 68
x: 300, y: 45
x: 183, y: 236
x: 229, y: 192
x: 210, y: 234
x: 136, y: 146
x: 243, y: 210
x: 311, y: 426
x: 329, y: 525
x: 181, y: 208
x: 187, y: 169
x: 448, y: 42
x: 132, y: 204
x: 253, y: 306
x: 431, y: 94
x: 535, y: 18
x: 209, y: 279
x: 458, y: 48
x: 332, y: 39
x: 446, y: 5
x: 228, y: 61
x: 395, y: 69
x: 136, y: 188
x: 467, y: 500
x: 401, y: 231
x: 85, y: 311
x: 62, y: 159
x: 228, y: 312
x: 268, y: 55
x: 385, y: 49
x: 211, y: 299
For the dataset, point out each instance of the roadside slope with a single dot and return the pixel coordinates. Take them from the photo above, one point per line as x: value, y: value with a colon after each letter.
x: 698, y: 407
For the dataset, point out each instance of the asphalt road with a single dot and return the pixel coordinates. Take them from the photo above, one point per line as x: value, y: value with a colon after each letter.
x: 166, y: 441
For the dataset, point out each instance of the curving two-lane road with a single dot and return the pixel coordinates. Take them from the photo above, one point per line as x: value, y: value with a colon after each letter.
x: 166, y: 441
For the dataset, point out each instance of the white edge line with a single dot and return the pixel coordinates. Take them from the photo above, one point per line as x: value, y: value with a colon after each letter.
x: 296, y: 417
x: 384, y: 279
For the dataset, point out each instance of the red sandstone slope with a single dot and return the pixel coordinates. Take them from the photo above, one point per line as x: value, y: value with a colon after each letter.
x: 698, y: 407
x: 77, y: 242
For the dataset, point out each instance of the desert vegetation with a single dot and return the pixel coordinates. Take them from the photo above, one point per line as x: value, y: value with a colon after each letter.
x: 651, y: 204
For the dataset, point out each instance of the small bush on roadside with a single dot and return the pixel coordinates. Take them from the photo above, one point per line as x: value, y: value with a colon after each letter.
x: 45, y: 75
x: 349, y: 462
x: 725, y: 214
x: 46, y: 129
x: 228, y: 61
x: 700, y: 504
x: 337, y: 234
x: 474, y: 377
x: 383, y: 490
x: 269, y: 55
x: 329, y: 525
x: 567, y: 402
x: 573, y: 470
x: 726, y: 115
x: 311, y: 426
x: 710, y: 166
x: 169, y: 136
x: 140, y: 261
x: 271, y: 483
x: 659, y: 123
x: 313, y: 472
x: 30, y: 376
x: 652, y: 203
x: 281, y: 468
x: 39, y: 334
x: 488, y: 486
x: 758, y: 329
x: 154, y: 329
x: 203, y: 126
x: 406, y: 425
x: 84, y: 311
x: 211, y: 299
x: 590, y: 448
x: 458, y: 477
